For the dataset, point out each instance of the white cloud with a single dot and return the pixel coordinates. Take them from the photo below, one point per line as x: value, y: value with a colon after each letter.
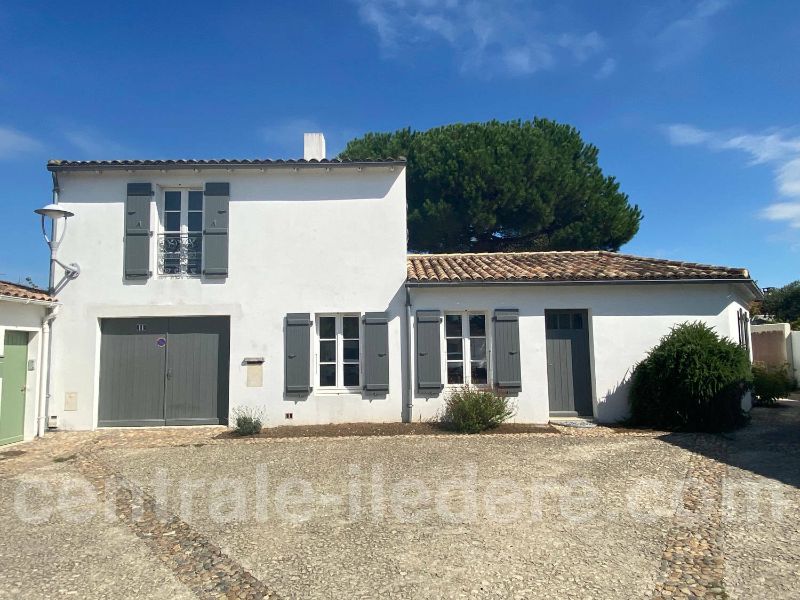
x: 687, y: 35
x: 13, y: 143
x: 93, y: 144
x: 778, y: 148
x: 606, y: 69
x: 487, y: 37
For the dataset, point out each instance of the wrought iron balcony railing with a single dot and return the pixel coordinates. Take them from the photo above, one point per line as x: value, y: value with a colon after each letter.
x: 180, y: 254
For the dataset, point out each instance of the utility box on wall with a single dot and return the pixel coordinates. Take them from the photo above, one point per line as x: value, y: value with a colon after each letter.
x: 254, y: 367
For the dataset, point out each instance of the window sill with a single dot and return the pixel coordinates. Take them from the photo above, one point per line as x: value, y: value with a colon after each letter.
x: 331, y: 391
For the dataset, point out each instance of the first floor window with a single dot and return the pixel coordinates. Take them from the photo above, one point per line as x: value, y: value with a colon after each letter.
x: 465, y: 342
x: 181, y: 238
x: 339, y: 351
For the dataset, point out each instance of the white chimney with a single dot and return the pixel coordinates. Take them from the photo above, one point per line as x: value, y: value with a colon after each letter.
x: 313, y: 146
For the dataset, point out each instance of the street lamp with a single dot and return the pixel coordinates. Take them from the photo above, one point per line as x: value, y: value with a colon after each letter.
x: 55, y: 214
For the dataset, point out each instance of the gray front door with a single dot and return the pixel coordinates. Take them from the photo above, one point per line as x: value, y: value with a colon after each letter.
x: 157, y: 371
x: 568, y: 364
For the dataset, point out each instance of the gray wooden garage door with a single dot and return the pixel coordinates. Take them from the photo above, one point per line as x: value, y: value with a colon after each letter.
x: 164, y: 371
x: 568, y: 365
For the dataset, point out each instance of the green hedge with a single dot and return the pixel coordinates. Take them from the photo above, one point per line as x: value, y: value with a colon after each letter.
x: 771, y: 384
x: 693, y: 380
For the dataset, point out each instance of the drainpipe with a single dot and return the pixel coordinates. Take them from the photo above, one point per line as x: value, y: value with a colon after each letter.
x: 409, y: 412
x: 44, y: 372
x: 46, y: 354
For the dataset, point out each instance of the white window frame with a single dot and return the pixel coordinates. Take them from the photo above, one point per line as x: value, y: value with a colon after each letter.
x: 466, y: 358
x: 339, y: 387
x: 184, y: 225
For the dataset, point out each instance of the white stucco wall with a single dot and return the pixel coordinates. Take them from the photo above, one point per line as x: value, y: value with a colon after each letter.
x: 625, y: 322
x: 23, y: 316
x: 309, y: 240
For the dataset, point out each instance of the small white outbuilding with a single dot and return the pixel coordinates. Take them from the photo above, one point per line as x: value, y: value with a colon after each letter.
x: 24, y: 311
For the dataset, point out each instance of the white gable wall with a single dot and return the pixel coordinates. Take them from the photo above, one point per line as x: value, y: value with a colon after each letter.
x: 625, y: 321
x: 306, y: 241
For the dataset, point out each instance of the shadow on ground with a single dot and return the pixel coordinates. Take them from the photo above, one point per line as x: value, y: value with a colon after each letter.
x: 768, y: 446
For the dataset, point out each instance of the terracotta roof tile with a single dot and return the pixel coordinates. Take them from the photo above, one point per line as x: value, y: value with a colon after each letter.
x: 557, y: 266
x: 191, y: 163
x: 16, y: 290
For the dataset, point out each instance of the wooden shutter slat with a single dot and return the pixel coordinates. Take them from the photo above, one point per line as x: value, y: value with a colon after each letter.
x: 429, y: 365
x: 376, y: 352
x: 507, y: 370
x: 137, y: 231
x: 298, y: 353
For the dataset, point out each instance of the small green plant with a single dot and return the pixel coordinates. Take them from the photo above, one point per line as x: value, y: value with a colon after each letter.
x: 770, y: 384
x: 692, y: 380
x: 471, y: 410
x: 248, y: 420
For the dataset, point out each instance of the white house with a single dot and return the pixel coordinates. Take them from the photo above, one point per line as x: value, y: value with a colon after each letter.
x: 285, y: 286
x: 25, y: 313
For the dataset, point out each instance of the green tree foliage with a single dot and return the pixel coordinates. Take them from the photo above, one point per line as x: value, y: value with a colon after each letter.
x: 520, y: 185
x: 692, y: 380
x: 783, y: 303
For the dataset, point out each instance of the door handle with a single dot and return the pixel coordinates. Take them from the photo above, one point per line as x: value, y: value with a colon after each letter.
x: 169, y: 373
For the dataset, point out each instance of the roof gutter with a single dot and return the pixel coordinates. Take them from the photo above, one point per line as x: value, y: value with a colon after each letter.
x: 56, y: 168
x: 754, y: 289
x: 49, y: 303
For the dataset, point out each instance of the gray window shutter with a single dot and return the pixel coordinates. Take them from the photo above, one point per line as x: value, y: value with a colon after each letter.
x: 507, y: 372
x: 376, y: 352
x: 429, y: 360
x: 215, y: 229
x: 298, y: 353
x: 137, y: 231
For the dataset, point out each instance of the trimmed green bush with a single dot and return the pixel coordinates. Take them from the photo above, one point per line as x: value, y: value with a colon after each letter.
x: 248, y: 421
x: 472, y: 410
x: 693, y: 380
x: 771, y: 384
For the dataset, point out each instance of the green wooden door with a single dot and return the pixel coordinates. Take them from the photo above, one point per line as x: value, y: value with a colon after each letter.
x: 13, y: 370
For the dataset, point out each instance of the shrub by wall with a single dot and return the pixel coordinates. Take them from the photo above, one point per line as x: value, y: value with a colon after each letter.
x: 472, y: 410
x: 692, y: 380
x: 771, y: 384
x: 248, y: 421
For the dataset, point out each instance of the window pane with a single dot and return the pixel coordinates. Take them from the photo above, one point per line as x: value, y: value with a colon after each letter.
x: 551, y: 321
x: 350, y: 375
x: 477, y: 348
x: 327, y: 327
x: 195, y: 221
x: 350, y: 327
x: 452, y: 325
x: 327, y: 375
x: 454, y: 350
x: 477, y: 325
x: 350, y: 350
x: 327, y: 351
x: 479, y: 372
x: 172, y: 221
x: 577, y: 321
x: 172, y: 201
x: 195, y: 200
x: 563, y: 321
x: 455, y: 372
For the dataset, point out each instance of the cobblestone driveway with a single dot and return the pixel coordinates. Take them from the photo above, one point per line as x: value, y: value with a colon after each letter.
x: 577, y: 514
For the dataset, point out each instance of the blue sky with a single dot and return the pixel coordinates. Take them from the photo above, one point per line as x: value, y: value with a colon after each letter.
x: 694, y: 105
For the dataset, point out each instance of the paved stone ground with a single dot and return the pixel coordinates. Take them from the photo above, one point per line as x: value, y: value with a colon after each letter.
x: 594, y: 513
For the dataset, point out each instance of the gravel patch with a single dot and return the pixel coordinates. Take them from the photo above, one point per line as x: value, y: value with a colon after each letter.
x: 63, y: 556
x: 762, y: 529
x: 585, y: 541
